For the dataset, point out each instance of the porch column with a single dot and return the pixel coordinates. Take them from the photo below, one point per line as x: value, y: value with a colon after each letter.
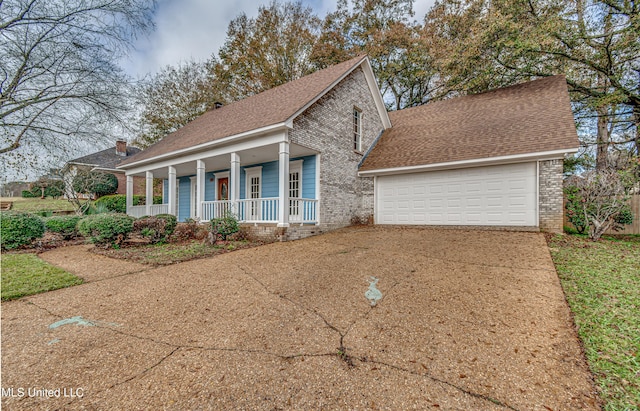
x: 199, y: 187
x: 129, y: 193
x: 149, y: 192
x: 172, y: 191
x: 234, y: 184
x: 283, y: 186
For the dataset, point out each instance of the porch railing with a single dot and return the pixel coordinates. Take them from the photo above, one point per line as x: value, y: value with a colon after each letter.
x: 303, y: 210
x: 137, y: 211
x: 140, y: 211
x: 261, y: 210
x: 254, y: 210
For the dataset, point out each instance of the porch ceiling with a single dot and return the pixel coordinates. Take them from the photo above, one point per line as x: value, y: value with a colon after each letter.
x: 223, y: 162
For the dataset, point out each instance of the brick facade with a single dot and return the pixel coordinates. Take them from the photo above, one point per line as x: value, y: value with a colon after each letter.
x: 550, y: 196
x: 327, y: 126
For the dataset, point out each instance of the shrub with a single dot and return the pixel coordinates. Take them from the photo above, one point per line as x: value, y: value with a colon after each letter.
x: 574, y: 210
x: 157, y: 228
x: 95, y: 182
x: 190, y: 230
x: 106, y: 229
x: 28, y: 194
x: 624, y: 218
x: 65, y: 225
x: 19, y: 229
x: 224, y: 226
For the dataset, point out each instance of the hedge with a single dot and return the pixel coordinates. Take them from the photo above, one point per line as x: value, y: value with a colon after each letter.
x: 65, y: 225
x: 157, y: 228
x: 18, y: 229
x: 106, y: 229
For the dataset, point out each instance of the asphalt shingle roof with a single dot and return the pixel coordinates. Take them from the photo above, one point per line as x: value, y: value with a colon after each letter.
x: 526, y: 118
x: 270, y: 107
x: 106, y: 158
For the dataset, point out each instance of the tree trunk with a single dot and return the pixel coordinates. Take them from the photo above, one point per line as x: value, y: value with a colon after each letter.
x: 602, y: 139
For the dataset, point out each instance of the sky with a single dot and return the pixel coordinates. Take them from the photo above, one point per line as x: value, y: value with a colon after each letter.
x: 187, y: 29
x: 195, y: 29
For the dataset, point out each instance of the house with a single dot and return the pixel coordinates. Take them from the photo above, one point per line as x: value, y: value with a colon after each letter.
x: 104, y: 160
x: 321, y: 152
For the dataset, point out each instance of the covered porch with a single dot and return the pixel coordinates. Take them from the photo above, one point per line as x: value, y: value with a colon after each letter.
x: 265, y: 180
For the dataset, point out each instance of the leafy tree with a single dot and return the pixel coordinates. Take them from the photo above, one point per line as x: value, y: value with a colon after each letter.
x: 96, y: 183
x: 48, y: 187
x: 172, y: 98
x: 480, y: 44
x: 84, y: 184
x: 59, y: 79
x: 383, y: 30
x: 267, y: 51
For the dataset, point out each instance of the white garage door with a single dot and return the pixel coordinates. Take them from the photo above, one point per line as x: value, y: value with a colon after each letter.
x: 502, y: 195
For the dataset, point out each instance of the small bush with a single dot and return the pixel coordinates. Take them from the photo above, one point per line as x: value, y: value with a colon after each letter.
x: 28, y: 194
x: 157, y: 228
x: 18, y: 229
x: 63, y: 225
x: 224, y: 226
x: 190, y: 230
x: 106, y: 229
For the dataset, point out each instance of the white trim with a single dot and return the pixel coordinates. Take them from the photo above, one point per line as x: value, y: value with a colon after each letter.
x: 377, y: 97
x: 250, y: 173
x: 318, y: 191
x: 295, y: 167
x: 373, y: 88
x: 217, y: 176
x: 538, y: 193
x: 375, y: 198
x: 167, y: 160
x: 193, y: 196
x: 358, y: 143
x: 518, y: 158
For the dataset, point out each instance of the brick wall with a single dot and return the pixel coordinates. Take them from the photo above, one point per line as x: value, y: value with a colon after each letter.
x: 327, y: 126
x: 550, y: 196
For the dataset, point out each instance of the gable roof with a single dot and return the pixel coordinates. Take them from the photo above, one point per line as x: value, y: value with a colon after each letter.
x: 273, y: 107
x: 107, y: 158
x: 533, y: 117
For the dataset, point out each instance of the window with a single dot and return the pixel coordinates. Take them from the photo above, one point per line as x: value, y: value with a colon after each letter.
x: 254, y: 193
x: 357, y: 129
x: 295, y: 190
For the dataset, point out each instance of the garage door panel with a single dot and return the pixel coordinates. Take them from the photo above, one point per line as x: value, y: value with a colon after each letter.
x: 495, y: 195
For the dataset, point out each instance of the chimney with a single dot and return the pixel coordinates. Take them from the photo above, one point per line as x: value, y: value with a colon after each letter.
x: 121, y: 148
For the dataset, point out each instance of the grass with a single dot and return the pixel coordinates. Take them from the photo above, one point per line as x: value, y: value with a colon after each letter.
x: 171, y: 253
x: 27, y: 274
x: 33, y: 205
x: 602, y: 284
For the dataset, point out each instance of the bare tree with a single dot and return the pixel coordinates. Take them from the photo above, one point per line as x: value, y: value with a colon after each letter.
x: 172, y: 98
x: 603, y: 195
x: 60, y: 82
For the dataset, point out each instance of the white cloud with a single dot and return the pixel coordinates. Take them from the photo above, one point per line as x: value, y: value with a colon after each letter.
x: 195, y: 29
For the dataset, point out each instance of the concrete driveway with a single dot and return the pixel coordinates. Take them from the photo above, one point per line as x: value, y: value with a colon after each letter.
x: 468, y: 320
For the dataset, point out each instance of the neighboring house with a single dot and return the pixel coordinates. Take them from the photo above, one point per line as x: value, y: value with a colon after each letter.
x: 105, y: 160
x: 321, y: 152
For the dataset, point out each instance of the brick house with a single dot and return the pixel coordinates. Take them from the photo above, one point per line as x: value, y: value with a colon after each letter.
x: 104, y: 160
x: 321, y: 152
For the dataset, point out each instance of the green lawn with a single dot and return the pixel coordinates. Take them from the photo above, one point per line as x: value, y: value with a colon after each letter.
x: 37, y: 204
x: 165, y: 254
x: 602, y: 284
x: 27, y: 274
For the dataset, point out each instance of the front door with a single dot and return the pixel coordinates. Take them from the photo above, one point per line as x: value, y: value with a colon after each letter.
x: 223, y: 188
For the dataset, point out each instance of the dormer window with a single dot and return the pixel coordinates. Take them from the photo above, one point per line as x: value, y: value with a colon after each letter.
x: 357, y: 129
